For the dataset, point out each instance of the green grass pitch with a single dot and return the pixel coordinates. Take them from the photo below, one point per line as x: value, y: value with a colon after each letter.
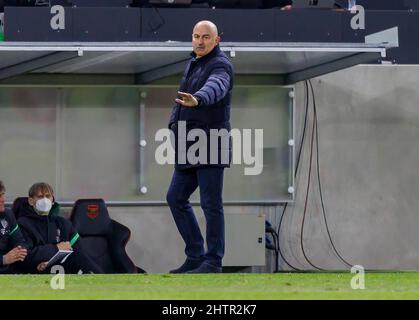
x: 391, y: 285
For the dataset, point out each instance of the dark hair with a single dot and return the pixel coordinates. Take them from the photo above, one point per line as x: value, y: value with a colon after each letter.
x: 40, y: 186
x: 2, y: 187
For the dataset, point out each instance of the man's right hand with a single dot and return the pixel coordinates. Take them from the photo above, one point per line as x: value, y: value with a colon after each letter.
x: 17, y: 254
x: 64, y: 246
x: 42, y: 266
x: 187, y: 100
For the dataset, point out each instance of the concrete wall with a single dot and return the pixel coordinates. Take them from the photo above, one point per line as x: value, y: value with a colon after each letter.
x: 368, y: 124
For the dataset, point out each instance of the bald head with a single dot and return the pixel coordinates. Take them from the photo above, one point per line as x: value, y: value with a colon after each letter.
x: 210, y: 26
x: 204, y: 38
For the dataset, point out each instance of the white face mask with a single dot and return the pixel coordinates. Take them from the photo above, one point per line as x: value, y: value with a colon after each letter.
x: 43, y: 206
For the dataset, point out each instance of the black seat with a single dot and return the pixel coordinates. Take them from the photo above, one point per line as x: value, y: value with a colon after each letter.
x: 103, y: 239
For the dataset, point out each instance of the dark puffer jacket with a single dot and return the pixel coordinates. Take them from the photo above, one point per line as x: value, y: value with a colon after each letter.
x: 210, y: 80
x: 43, y: 233
x: 10, y: 237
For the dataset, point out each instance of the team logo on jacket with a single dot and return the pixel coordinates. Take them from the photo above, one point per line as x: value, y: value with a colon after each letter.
x: 58, y: 238
x: 92, y: 211
x: 4, y: 224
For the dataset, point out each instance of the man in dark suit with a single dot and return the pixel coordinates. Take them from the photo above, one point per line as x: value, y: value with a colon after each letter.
x: 203, y: 104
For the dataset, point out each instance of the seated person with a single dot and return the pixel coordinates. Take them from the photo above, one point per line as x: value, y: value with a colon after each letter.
x: 46, y: 233
x: 12, y: 244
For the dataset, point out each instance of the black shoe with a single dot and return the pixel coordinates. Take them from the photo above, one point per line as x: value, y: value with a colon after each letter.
x: 206, y: 268
x: 188, y: 265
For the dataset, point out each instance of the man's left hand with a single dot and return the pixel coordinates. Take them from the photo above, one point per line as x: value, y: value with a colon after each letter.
x: 187, y: 100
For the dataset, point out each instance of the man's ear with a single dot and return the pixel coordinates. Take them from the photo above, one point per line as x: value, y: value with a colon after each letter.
x: 31, y: 201
x: 217, y: 39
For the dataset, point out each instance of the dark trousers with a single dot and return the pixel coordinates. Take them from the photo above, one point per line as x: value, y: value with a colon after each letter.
x: 210, y: 182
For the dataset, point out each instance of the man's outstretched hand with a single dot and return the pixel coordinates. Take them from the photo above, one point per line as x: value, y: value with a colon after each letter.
x: 187, y: 100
